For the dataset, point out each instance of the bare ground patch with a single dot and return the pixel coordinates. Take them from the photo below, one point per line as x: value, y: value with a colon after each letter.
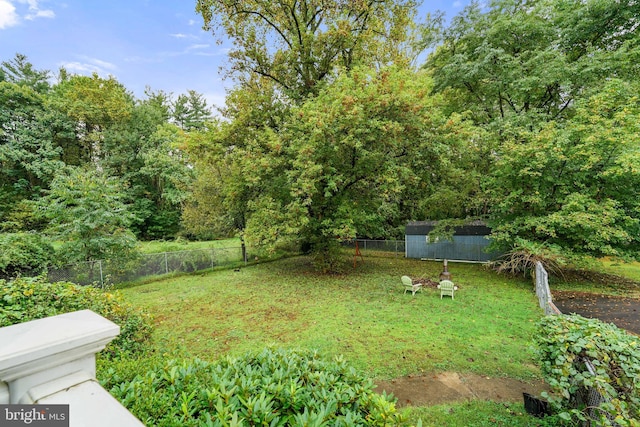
x: 447, y: 387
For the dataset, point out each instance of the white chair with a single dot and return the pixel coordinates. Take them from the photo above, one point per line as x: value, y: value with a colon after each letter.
x: 447, y: 288
x: 410, y: 286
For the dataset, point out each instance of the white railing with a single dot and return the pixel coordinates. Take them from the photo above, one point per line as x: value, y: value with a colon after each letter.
x: 51, y: 361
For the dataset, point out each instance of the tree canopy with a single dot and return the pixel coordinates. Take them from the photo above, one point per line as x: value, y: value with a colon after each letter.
x: 553, y: 84
x: 94, y: 125
x: 301, y: 44
x: 525, y: 114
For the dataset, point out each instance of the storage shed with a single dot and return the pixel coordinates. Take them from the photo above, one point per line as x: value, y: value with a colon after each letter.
x: 469, y: 242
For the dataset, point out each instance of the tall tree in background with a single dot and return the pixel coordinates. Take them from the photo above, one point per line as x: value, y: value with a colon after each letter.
x: 28, y: 156
x: 190, y: 111
x: 92, y: 123
x: 300, y: 44
x: 95, y: 104
x: 88, y: 214
x: 529, y: 73
x: 21, y: 72
x: 143, y: 152
x: 234, y: 160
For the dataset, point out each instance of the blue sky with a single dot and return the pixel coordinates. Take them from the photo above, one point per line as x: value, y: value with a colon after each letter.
x: 156, y: 43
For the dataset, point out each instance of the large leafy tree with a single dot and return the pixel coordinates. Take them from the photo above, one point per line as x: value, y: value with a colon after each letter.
x: 575, y: 186
x: 29, y: 156
x: 354, y: 151
x: 287, y: 53
x: 531, y: 73
x: 300, y: 44
x: 88, y: 213
x: 95, y: 104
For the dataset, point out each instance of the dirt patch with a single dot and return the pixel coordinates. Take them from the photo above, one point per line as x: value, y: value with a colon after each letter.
x: 622, y: 312
x: 447, y: 387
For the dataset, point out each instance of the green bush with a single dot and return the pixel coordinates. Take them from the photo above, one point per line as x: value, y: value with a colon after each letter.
x: 270, y: 388
x: 26, y: 254
x: 565, y: 343
x: 28, y: 299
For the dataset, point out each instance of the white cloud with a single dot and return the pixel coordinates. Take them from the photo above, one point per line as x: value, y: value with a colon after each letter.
x: 179, y: 36
x: 35, y: 11
x: 79, y: 67
x: 8, y: 15
x: 457, y: 4
x: 197, y: 46
x: 192, y: 22
x: 40, y: 14
x: 90, y: 66
x: 100, y: 63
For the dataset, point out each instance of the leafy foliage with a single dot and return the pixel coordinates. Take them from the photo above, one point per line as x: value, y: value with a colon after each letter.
x: 88, y: 214
x: 29, y: 299
x: 565, y: 343
x: 575, y: 185
x: 342, y: 164
x: 24, y: 254
x: 28, y: 156
x: 94, y: 104
x: 553, y: 84
x: 301, y: 45
x: 273, y: 387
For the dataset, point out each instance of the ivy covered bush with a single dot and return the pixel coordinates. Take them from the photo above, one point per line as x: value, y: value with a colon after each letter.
x: 270, y: 388
x: 564, y: 345
x: 22, y: 300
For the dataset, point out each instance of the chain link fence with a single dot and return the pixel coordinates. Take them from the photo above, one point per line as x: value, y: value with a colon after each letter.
x: 108, y: 272
x: 377, y: 247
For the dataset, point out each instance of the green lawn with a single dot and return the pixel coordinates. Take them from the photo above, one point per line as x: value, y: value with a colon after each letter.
x: 630, y: 270
x: 475, y: 413
x: 363, y: 315
x: 157, y: 246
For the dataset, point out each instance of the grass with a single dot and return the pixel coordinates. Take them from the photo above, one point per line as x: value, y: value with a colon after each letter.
x: 607, y: 278
x: 158, y: 246
x: 363, y: 315
x: 475, y: 413
x: 630, y: 270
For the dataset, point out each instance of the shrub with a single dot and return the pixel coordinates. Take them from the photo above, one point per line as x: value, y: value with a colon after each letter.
x: 28, y: 299
x: 271, y: 388
x: 565, y: 344
x: 24, y: 254
x: 524, y: 255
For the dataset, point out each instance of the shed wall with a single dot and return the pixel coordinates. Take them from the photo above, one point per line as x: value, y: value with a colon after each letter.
x: 467, y: 248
